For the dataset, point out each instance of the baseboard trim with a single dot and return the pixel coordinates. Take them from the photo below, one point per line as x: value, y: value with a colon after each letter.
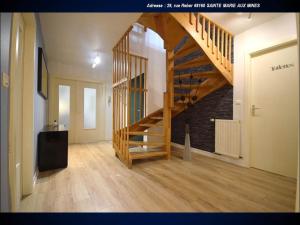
x: 239, y: 162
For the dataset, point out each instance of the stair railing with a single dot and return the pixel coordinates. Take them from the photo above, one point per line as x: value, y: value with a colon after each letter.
x: 121, y: 96
x: 129, y: 94
x: 215, y: 41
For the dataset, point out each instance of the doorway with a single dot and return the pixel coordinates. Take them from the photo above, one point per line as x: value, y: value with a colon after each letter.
x: 274, y: 110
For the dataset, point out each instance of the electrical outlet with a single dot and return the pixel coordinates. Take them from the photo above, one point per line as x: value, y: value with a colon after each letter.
x: 5, y: 80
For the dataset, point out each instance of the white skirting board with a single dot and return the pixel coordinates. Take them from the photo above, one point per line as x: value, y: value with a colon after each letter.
x: 236, y: 161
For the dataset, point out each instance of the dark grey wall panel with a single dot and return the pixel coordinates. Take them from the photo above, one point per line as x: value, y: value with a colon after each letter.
x: 218, y: 104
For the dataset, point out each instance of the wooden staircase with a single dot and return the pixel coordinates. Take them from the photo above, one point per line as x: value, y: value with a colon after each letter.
x: 199, y: 59
x: 199, y: 62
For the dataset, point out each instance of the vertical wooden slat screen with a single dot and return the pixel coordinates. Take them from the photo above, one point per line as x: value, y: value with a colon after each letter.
x: 127, y: 70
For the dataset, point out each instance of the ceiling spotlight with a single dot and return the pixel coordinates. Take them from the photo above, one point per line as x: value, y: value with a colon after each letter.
x: 96, y: 61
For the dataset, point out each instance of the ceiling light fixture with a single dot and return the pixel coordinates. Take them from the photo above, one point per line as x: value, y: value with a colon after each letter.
x: 96, y: 61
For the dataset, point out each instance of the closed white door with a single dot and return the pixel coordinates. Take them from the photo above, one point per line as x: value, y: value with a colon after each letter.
x: 90, y: 112
x: 274, y: 110
x: 62, y: 110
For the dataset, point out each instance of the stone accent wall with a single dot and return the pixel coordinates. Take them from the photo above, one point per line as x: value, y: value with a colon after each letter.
x: 218, y: 105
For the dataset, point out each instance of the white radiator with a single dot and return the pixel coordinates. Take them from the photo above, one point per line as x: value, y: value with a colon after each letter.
x: 228, y: 137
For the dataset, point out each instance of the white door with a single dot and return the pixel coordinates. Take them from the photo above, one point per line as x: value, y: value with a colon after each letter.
x: 274, y: 110
x: 65, y: 104
x: 16, y: 108
x: 90, y: 108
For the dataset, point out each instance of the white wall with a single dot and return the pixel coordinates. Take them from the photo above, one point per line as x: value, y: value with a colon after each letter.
x: 150, y: 45
x: 108, y: 111
x: 259, y: 37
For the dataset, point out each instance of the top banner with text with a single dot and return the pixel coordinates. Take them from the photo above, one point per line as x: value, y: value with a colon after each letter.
x: 149, y: 5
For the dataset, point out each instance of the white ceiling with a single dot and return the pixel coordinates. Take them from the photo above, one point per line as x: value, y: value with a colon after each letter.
x: 238, y: 22
x: 72, y: 40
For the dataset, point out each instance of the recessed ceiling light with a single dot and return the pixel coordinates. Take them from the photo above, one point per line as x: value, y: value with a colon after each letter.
x: 94, y: 65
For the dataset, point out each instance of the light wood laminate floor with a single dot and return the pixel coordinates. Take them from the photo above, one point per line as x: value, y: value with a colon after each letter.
x: 96, y: 180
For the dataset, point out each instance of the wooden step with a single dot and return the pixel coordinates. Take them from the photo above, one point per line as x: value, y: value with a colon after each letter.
x: 150, y: 125
x: 199, y: 61
x: 188, y: 43
x: 157, y: 117
x: 144, y: 155
x: 186, y: 51
x: 146, y: 143
x: 142, y: 133
x: 187, y: 86
x: 207, y: 74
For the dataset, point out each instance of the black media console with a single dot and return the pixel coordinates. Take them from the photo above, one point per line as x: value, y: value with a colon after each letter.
x: 52, y: 148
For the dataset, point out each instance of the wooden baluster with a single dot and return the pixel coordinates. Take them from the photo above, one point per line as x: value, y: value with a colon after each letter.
x: 167, y: 124
x: 229, y: 53
x: 140, y: 75
x: 124, y: 118
x: 208, y: 33
x: 113, y: 67
x: 145, y: 87
x: 226, y: 49
x: 203, y: 27
x: 121, y: 120
x: 135, y: 88
x: 128, y: 98
x: 222, y: 46
x: 214, y: 39
x: 117, y: 64
x: 190, y: 18
x: 197, y: 21
x: 218, y: 43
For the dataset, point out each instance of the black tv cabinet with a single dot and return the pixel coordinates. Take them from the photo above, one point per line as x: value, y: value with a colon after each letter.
x: 52, y: 148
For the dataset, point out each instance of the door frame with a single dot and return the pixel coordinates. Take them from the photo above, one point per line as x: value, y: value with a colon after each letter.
x: 27, y: 120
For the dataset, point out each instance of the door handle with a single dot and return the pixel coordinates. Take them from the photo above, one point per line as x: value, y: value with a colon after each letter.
x: 253, y: 109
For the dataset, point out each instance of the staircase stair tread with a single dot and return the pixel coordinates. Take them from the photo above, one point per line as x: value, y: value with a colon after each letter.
x: 150, y: 125
x: 187, y: 86
x: 205, y: 74
x: 186, y: 50
x: 190, y: 42
x: 145, y: 133
x: 157, y: 117
x: 147, y: 143
x: 199, y: 61
x: 147, y: 154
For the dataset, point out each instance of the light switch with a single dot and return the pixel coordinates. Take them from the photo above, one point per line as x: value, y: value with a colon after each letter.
x: 5, y: 80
